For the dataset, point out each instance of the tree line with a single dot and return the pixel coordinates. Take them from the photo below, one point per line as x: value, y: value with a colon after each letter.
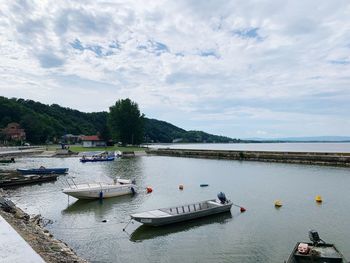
x: 123, y: 123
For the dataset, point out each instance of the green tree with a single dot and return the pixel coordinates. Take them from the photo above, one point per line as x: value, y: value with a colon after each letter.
x: 126, y: 122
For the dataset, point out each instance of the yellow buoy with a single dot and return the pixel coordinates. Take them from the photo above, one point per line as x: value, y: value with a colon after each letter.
x: 318, y: 199
x: 278, y: 203
x: 181, y: 186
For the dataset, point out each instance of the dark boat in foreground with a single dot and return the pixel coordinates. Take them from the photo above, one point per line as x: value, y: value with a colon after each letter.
x: 317, y: 251
x: 43, y: 170
x: 18, y: 181
x: 182, y: 213
x: 12, y: 160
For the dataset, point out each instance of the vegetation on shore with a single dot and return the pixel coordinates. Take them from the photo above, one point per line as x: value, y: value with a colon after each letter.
x: 48, y: 123
x: 77, y: 148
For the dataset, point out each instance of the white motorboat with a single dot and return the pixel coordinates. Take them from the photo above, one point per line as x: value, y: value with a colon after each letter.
x: 100, y: 189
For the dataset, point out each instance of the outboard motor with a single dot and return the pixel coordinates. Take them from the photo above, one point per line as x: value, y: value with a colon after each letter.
x: 315, y: 238
x: 222, y: 197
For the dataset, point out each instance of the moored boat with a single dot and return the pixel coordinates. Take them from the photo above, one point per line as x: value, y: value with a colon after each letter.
x: 97, y: 159
x: 100, y: 189
x: 18, y: 181
x: 43, y: 170
x: 12, y: 160
x: 316, y: 251
x: 181, y: 213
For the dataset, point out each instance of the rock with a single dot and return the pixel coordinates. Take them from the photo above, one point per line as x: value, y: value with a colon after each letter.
x: 19, y: 214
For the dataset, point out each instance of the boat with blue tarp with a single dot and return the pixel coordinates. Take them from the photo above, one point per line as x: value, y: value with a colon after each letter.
x: 97, y: 159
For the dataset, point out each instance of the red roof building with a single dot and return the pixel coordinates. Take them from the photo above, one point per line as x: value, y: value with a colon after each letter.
x: 14, y: 132
x: 92, y: 141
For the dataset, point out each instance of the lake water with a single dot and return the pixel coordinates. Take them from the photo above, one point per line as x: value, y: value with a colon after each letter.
x: 286, y: 147
x: 261, y: 234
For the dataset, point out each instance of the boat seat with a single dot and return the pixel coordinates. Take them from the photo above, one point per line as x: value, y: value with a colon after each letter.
x: 214, y: 203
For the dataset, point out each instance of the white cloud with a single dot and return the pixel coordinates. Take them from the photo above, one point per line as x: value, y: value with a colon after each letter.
x: 196, y: 64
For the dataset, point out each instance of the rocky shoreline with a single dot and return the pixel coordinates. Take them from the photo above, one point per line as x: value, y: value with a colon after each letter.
x: 33, y: 232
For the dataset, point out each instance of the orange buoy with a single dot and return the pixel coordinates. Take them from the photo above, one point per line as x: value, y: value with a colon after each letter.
x: 318, y: 199
x: 181, y: 186
x: 149, y: 189
x: 278, y: 203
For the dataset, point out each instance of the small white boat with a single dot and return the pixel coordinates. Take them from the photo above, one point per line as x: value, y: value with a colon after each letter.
x: 186, y: 212
x: 100, y: 190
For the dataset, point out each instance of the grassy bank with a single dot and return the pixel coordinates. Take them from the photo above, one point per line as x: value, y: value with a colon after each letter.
x: 78, y: 148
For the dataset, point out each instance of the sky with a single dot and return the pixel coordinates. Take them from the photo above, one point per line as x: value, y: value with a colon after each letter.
x: 242, y: 68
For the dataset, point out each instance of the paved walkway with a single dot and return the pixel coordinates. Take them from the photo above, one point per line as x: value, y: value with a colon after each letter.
x: 13, y: 248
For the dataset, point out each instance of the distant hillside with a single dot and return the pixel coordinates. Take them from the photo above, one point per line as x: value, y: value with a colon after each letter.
x: 306, y: 139
x: 44, y: 123
x: 161, y: 131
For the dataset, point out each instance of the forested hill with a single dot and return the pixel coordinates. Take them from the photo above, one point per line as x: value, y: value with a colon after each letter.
x: 161, y: 131
x: 44, y: 123
x: 48, y: 123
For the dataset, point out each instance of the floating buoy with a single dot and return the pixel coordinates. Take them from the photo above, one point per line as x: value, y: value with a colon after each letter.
x: 204, y: 185
x: 242, y: 209
x: 278, y: 203
x: 181, y: 186
x: 149, y: 189
x: 318, y: 199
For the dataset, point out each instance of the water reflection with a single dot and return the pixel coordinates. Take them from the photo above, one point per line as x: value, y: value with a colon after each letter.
x: 95, y: 205
x: 148, y: 232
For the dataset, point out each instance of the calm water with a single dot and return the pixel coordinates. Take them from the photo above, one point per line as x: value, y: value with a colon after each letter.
x: 290, y: 147
x: 262, y: 234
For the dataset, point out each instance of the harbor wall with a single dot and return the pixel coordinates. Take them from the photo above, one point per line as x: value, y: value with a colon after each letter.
x: 316, y: 158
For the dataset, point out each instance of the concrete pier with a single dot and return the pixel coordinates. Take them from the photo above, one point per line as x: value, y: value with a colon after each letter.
x: 317, y: 158
x: 13, y: 248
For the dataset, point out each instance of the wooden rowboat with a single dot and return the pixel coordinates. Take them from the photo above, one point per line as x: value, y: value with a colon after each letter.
x: 18, y: 181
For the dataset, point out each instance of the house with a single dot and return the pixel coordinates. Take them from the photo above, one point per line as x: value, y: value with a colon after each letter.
x: 14, y: 132
x: 71, y: 139
x: 93, y: 141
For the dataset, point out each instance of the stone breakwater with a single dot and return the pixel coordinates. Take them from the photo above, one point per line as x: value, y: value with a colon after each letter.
x: 316, y: 158
x: 39, y: 238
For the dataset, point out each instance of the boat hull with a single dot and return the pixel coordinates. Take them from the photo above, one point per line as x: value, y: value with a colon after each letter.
x: 181, y: 214
x: 44, y: 171
x: 12, y: 160
x: 106, y: 191
x: 28, y: 180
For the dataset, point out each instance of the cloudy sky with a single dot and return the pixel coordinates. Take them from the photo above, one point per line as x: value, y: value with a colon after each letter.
x: 237, y: 68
